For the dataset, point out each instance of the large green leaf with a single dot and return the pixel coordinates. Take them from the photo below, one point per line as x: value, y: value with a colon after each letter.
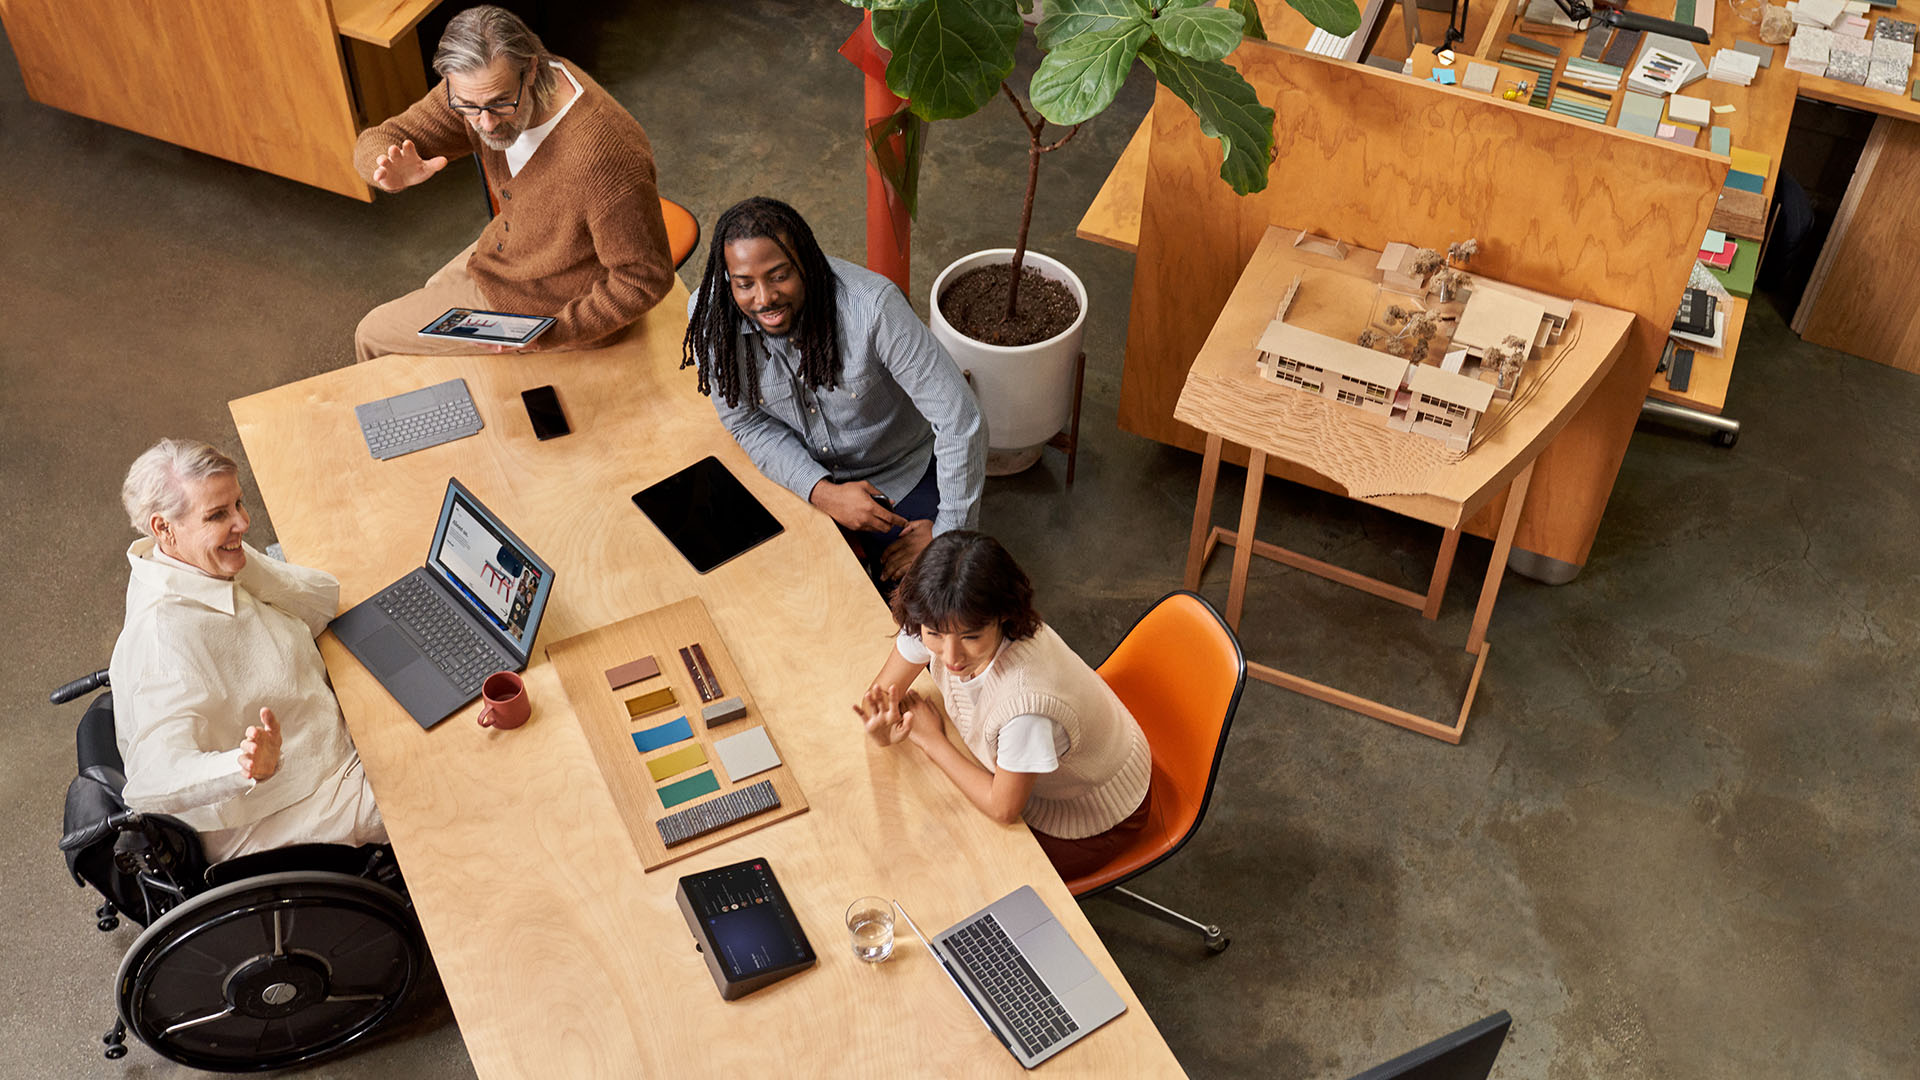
x: 1068, y: 19
x: 1336, y: 17
x: 1076, y: 81
x: 1203, y: 33
x: 1249, y: 11
x: 1228, y: 110
x: 949, y: 56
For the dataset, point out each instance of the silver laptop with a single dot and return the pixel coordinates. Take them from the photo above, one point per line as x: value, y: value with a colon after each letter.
x: 1025, y: 978
x: 433, y: 637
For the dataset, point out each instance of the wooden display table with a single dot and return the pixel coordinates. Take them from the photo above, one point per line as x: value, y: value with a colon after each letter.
x: 560, y: 955
x: 1405, y: 473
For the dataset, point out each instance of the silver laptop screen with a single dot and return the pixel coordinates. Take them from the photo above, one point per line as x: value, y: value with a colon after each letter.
x: 504, y: 582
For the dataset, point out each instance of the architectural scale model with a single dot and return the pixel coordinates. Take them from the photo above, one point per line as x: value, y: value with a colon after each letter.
x: 1485, y: 342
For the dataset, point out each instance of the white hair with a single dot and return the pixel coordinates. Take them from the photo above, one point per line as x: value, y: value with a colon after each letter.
x: 156, y: 484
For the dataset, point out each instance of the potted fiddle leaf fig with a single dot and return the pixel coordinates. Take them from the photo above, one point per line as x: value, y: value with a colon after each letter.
x: 1012, y: 317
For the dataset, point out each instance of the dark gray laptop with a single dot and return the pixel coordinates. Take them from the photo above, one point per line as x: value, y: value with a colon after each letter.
x: 1026, y: 979
x: 433, y: 637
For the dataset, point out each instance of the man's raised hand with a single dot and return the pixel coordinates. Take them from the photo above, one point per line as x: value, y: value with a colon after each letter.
x: 401, y: 167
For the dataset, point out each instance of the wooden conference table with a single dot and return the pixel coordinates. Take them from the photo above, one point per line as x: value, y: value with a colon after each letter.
x: 561, y: 957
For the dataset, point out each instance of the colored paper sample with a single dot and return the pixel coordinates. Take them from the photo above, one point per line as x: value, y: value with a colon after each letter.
x: 651, y: 702
x: 627, y: 674
x: 653, y: 738
x: 1745, y: 181
x: 1444, y: 76
x: 747, y: 753
x: 691, y: 788
x: 1722, y: 140
x: 679, y: 761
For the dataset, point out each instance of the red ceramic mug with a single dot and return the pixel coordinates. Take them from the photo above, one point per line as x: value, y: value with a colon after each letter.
x: 507, y: 705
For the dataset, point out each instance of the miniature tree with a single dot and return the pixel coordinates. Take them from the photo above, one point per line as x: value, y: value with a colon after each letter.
x: 1447, y: 282
x: 1505, y: 360
x: 1462, y: 252
x: 1407, y: 335
x: 1425, y: 262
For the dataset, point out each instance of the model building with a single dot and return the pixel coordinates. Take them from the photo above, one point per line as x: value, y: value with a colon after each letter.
x: 1485, y: 343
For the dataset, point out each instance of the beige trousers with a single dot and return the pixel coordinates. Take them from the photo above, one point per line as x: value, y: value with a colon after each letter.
x: 394, y: 326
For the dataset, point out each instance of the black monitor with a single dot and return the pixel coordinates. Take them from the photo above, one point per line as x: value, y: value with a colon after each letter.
x: 1466, y: 1054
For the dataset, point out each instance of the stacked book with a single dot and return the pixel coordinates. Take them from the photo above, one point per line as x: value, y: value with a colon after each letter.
x: 1892, y: 56
x: 1808, y: 50
x: 1733, y: 66
x: 1593, y: 74
x: 1570, y: 100
x: 1848, y: 59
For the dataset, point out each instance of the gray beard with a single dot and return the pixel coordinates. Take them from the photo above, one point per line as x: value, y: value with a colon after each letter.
x: 494, y: 142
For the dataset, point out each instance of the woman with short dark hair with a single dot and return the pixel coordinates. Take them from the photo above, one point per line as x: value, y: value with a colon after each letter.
x: 1059, y: 748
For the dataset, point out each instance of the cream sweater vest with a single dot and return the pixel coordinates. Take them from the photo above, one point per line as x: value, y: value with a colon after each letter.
x: 1103, y: 774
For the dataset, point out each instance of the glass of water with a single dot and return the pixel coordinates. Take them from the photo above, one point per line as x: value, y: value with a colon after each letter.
x: 870, y: 926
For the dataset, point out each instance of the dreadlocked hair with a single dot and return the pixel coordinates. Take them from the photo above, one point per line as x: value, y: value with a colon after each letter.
x: 713, y: 336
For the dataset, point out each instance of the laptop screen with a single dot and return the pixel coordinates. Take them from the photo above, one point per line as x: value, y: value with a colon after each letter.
x: 505, y: 583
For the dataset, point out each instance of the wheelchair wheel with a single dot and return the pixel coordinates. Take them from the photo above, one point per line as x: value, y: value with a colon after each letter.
x: 270, y: 971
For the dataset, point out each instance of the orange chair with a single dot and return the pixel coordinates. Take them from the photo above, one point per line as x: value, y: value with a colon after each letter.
x: 1180, y: 672
x: 683, y: 230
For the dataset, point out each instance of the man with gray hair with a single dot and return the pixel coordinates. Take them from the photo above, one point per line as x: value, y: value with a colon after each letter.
x: 579, y: 235
x: 221, y: 704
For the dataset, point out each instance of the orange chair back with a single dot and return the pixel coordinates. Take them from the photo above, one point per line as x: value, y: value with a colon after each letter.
x: 1180, y: 672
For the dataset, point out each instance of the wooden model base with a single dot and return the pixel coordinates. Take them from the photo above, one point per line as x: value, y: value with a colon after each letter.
x: 582, y: 661
x: 1206, y: 536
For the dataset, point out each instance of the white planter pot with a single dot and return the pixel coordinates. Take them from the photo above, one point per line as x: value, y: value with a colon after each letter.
x: 1025, y: 391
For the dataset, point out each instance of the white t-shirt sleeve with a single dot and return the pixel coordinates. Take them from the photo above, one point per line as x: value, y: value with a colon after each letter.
x: 1029, y: 743
x: 912, y: 649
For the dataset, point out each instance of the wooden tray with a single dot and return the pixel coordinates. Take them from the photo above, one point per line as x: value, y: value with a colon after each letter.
x: 583, y: 660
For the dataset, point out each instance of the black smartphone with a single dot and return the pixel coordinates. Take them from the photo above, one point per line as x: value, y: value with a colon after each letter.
x: 543, y: 408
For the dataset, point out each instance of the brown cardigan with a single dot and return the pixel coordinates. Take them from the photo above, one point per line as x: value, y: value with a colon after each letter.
x: 579, y: 234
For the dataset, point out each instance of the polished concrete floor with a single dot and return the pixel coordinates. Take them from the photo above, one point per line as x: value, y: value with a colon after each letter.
x: 1678, y: 841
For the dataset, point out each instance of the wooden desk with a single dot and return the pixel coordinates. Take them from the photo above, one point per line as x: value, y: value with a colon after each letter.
x: 1407, y: 474
x: 559, y: 955
x: 274, y: 87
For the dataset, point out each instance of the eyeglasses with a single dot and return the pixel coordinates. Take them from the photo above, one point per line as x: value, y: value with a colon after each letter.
x: 504, y: 108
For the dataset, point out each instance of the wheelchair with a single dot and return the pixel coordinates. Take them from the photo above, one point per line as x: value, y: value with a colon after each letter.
x: 265, y: 961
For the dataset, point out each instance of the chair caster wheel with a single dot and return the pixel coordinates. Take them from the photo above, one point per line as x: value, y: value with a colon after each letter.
x: 1726, y: 439
x: 116, y: 1052
x: 108, y: 923
x: 1217, y: 942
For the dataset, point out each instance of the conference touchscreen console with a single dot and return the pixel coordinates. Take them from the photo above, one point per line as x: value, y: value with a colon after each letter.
x: 744, y: 927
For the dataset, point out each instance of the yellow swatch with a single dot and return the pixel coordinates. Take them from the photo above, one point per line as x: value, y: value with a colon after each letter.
x: 1747, y: 161
x: 677, y: 762
x: 653, y: 702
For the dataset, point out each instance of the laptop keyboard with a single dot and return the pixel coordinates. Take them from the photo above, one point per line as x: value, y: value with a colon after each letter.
x: 444, y: 422
x: 461, y: 653
x: 1024, y: 1002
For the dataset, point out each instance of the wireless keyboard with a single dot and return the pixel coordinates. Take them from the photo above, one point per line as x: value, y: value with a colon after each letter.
x: 418, y: 419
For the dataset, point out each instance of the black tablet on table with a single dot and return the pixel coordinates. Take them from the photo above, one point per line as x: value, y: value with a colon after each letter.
x: 707, y: 513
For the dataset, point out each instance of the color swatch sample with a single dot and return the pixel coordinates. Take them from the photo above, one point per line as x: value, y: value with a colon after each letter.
x: 650, y: 702
x: 653, y: 738
x: 723, y: 712
x: 679, y: 761
x: 747, y: 753
x: 627, y: 674
x: 691, y: 788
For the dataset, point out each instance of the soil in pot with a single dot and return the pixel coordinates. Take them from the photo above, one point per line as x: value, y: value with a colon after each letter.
x: 976, y: 305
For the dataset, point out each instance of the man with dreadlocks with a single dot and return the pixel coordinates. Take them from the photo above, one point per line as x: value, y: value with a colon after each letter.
x: 579, y: 235
x: 834, y: 388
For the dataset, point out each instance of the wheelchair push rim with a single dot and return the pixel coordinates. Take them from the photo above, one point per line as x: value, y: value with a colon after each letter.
x: 270, y: 971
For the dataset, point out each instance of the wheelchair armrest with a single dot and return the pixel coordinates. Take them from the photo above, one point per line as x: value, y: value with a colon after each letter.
x: 93, y: 833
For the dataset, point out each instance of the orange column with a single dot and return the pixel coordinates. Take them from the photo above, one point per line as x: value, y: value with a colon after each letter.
x: 889, y: 230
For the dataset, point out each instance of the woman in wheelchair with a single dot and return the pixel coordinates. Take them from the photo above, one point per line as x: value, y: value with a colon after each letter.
x: 222, y: 709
